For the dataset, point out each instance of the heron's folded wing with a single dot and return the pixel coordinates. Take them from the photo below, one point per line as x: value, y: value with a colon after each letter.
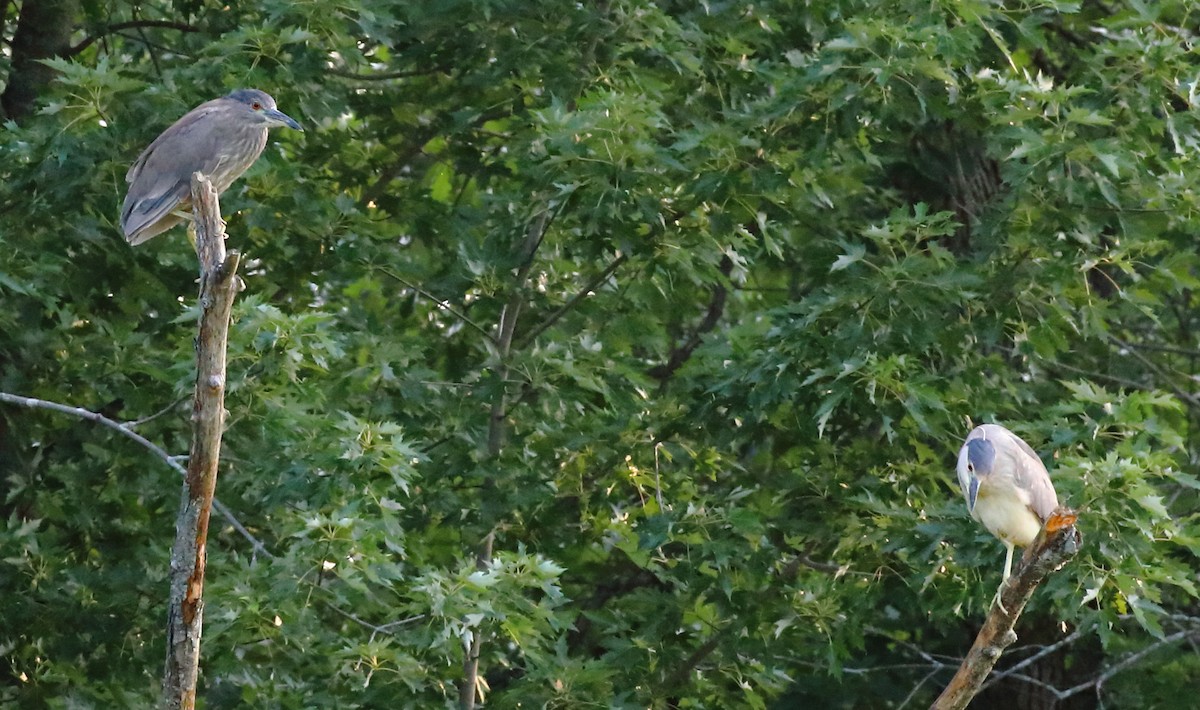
x: 1031, y: 476
x: 160, y: 179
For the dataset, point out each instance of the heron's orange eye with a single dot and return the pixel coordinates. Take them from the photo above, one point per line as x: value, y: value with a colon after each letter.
x: 256, y: 106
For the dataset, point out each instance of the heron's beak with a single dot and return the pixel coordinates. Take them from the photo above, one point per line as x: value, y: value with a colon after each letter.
x: 278, y: 118
x: 972, y: 493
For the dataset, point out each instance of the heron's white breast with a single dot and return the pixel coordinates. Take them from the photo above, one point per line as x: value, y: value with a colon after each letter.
x: 1005, y: 513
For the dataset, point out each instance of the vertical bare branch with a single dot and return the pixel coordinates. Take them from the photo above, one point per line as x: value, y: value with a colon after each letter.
x: 218, y: 286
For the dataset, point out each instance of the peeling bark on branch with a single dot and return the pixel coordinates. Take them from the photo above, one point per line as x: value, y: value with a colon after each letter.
x: 1054, y: 547
x: 218, y: 286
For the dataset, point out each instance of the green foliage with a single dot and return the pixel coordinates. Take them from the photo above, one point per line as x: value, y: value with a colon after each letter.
x: 764, y: 266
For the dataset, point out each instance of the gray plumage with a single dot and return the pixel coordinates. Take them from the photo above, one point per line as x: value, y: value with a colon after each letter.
x: 220, y: 138
x: 1006, y: 486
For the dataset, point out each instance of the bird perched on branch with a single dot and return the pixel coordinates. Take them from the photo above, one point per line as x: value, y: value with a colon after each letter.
x: 219, y: 138
x: 1006, y: 486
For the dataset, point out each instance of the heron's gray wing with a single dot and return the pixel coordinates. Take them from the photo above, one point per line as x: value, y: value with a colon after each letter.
x: 161, y: 177
x: 1031, y: 476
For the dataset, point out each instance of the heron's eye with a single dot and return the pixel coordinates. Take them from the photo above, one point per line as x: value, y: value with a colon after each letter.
x: 256, y: 106
x: 971, y: 468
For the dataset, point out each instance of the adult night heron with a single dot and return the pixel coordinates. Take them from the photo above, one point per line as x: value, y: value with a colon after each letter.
x: 1006, y: 486
x: 219, y: 138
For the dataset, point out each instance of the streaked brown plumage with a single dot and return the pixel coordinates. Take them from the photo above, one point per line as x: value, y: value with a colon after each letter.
x: 220, y: 138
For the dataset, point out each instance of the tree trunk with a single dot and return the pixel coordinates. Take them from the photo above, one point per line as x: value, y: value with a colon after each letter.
x: 43, y: 31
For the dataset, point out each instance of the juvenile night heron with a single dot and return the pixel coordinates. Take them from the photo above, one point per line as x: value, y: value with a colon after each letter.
x: 1006, y: 486
x: 219, y: 138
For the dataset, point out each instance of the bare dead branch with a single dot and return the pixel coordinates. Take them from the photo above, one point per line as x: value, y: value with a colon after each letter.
x: 218, y: 286
x: 1127, y: 662
x: 1058, y: 542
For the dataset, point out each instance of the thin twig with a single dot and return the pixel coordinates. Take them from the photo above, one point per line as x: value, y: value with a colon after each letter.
x: 385, y: 76
x: 1127, y: 661
x: 574, y: 300
x: 1188, y: 352
x: 851, y: 670
x: 133, y: 24
x: 935, y: 663
x: 417, y: 138
x: 124, y: 430
x: 141, y: 37
x: 920, y: 684
x: 1055, y: 364
x: 436, y: 301
x: 151, y: 417
x: 385, y: 629
x: 1038, y: 682
x: 1179, y: 391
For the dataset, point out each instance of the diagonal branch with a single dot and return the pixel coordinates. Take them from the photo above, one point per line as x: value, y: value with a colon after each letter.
x: 388, y: 76
x: 1128, y: 661
x: 1186, y: 396
x: 1045, y: 651
x: 574, y: 301
x: 34, y: 403
x: 680, y: 675
x: 1058, y: 542
x: 716, y: 308
x: 436, y: 301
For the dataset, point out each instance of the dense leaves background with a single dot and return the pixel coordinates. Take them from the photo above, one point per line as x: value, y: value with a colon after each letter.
x: 689, y: 304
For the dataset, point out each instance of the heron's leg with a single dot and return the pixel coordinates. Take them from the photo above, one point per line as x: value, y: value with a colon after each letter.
x: 191, y: 231
x: 1007, y: 561
x: 1008, y: 555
